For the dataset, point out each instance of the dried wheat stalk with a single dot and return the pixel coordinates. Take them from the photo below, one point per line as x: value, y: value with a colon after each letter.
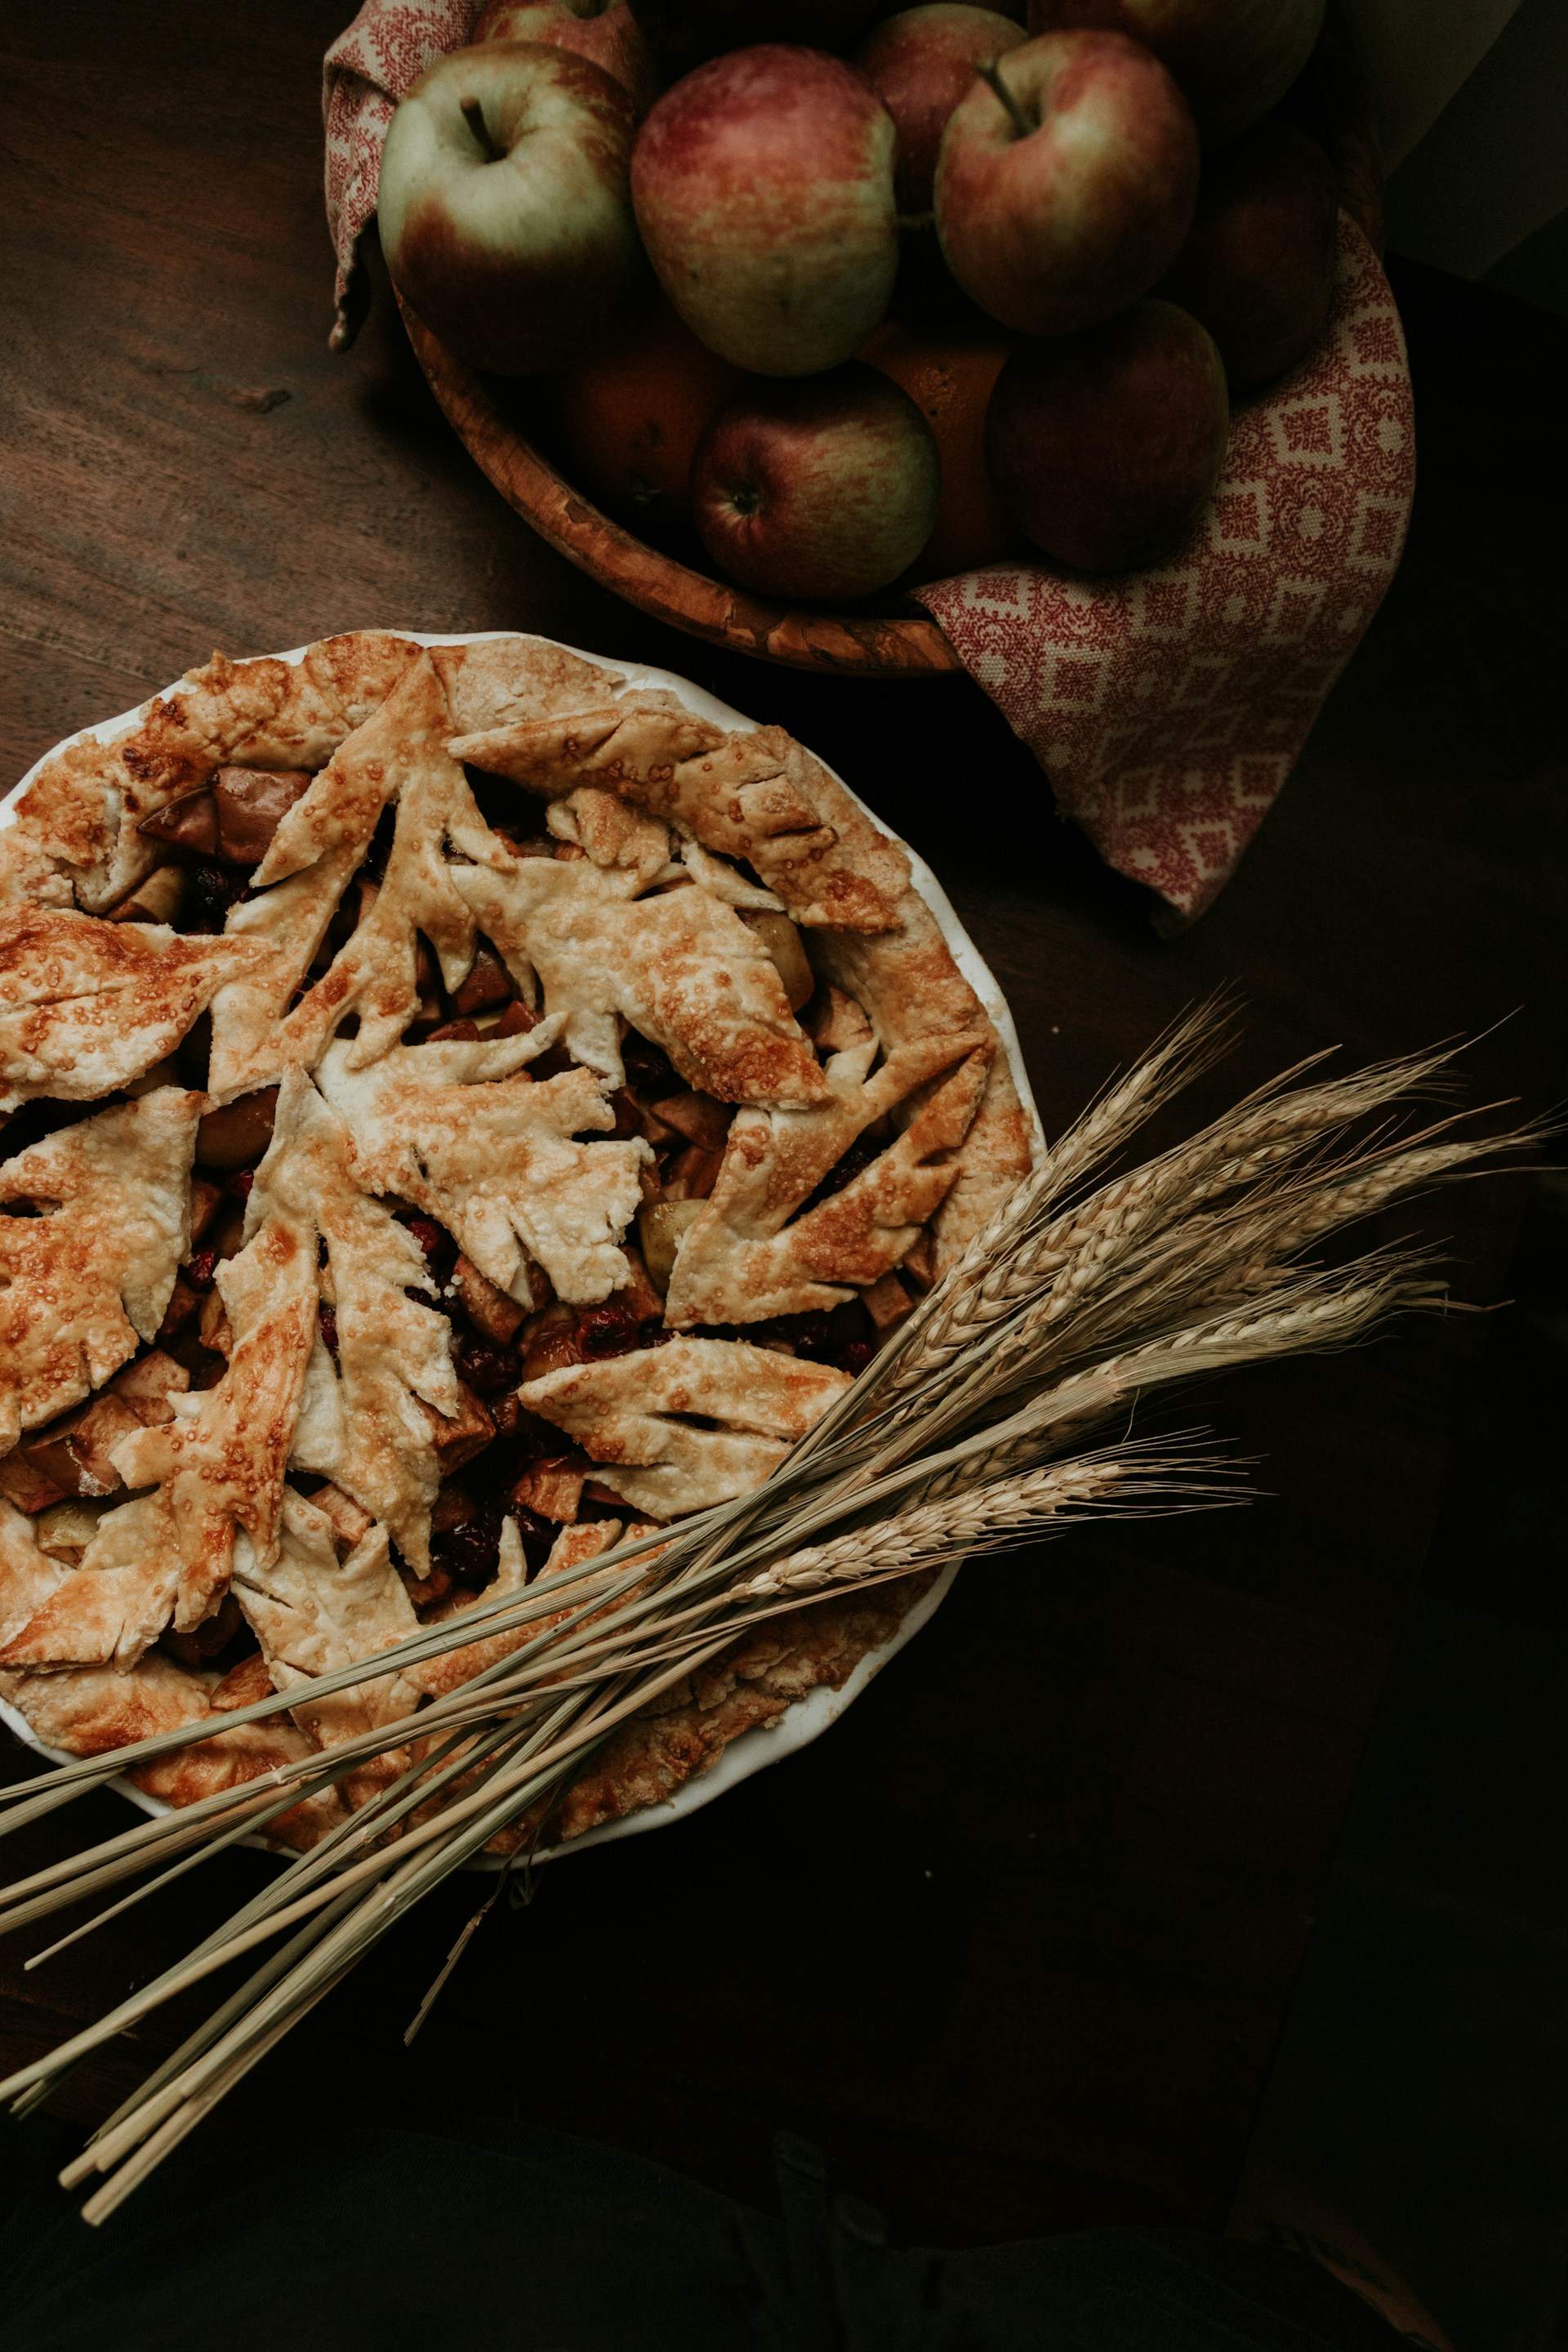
x: 1085, y: 1292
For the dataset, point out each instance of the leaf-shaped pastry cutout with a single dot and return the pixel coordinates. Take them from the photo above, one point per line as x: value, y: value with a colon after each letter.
x: 752, y: 794
x: 111, y: 1607
x: 501, y: 681
x: 399, y: 754
x: 219, y: 1463
x: 913, y: 993
x: 319, y: 699
x: 89, y: 1710
x: 681, y: 967
x: 312, y: 1612
x: 85, y: 805
x: 612, y: 832
x: 742, y: 1258
x: 496, y: 1164
x: 718, y: 876
x: 88, y: 1005
x: 360, y: 1423
x: 688, y: 1424
x: 81, y: 1282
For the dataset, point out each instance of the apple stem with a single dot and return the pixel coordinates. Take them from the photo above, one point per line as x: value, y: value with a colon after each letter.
x: 474, y: 116
x: 990, y: 71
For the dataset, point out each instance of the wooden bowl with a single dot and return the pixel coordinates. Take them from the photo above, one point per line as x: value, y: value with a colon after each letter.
x: 1329, y: 100
x: 850, y: 643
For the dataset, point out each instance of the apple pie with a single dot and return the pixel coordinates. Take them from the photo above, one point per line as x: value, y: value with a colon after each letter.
x: 459, y: 1104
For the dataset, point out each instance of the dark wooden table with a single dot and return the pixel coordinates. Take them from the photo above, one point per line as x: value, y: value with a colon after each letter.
x: 1015, y: 1943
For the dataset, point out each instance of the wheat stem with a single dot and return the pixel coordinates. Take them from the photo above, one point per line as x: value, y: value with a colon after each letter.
x: 1083, y: 1292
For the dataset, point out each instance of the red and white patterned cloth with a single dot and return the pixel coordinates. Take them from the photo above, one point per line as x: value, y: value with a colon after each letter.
x: 365, y: 73
x: 1167, y: 707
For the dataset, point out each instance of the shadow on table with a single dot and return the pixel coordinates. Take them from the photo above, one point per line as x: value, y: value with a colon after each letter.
x: 1422, y: 2082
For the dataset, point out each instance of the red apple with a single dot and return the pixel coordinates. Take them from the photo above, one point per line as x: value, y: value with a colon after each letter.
x: 683, y: 33
x: 1258, y: 267
x: 763, y: 187
x: 604, y: 31
x: 1107, y: 449
x: 826, y: 490
x: 504, y: 209
x: 950, y: 379
x: 633, y: 417
x: 920, y: 63
x: 1234, y: 59
x: 1066, y: 181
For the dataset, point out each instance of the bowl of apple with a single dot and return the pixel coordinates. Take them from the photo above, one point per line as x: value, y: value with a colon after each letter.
x: 763, y: 314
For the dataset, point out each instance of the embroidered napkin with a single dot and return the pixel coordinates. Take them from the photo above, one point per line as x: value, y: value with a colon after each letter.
x: 1166, y: 707
x: 365, y: 73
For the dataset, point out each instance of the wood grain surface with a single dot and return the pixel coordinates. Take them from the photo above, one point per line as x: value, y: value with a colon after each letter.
x: 1013, y: 1942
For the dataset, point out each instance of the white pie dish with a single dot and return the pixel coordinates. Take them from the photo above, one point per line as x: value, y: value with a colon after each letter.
x: 811, y: 1715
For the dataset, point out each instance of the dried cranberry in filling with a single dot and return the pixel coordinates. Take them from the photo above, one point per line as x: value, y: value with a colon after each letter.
x: 808, y: 1335
x: 842, y: 1335
x: 200, y: 1267
x: 469, y: 1550
x: 607, y: 1330
x: 487, y: 1368
x: 440, y: 1250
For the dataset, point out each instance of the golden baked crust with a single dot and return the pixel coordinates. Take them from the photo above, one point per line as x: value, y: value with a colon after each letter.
x: 746, y: 1690
x: 90, y: 1711
x: 87, y: 1007
x: 81, y: 1286
x: 681, y: 1427
x: 83, y: 811
x: 630, y: 880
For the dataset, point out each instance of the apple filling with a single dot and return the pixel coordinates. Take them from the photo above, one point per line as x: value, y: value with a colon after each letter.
x: 496, y: 1459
